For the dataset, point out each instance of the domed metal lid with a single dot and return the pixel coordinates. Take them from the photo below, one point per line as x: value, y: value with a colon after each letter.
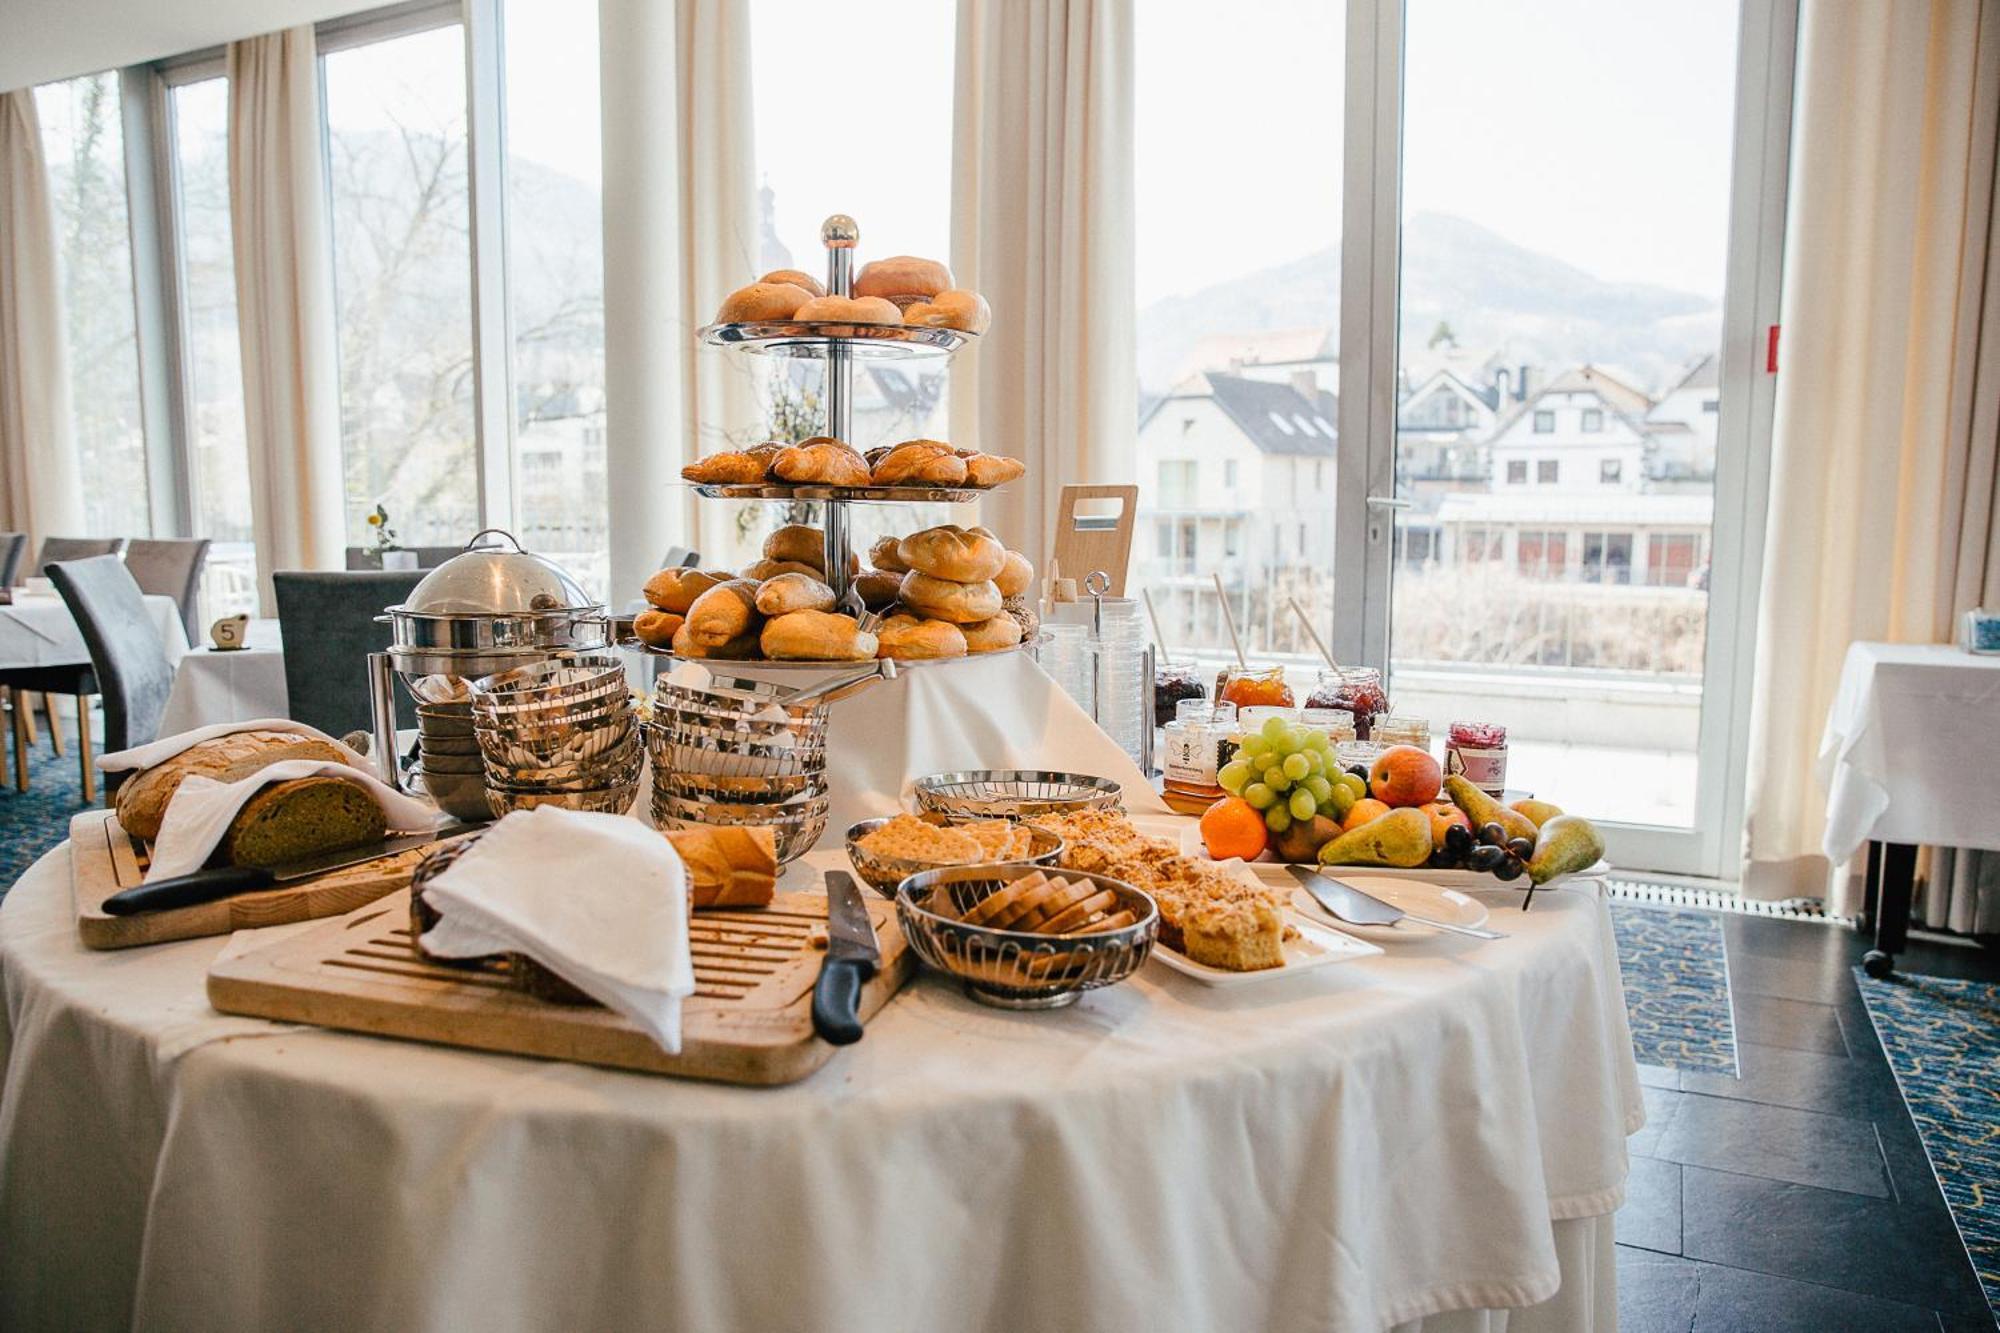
x: 493, y: 581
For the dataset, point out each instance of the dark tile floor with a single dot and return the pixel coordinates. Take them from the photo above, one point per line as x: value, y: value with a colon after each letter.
x: 1797, y: 1196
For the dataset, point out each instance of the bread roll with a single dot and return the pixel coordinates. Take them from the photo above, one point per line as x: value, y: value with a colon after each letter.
x: 793, y: 592
x: 988, y: 636
x: 956, y: 309
x: 878, y: 588
x: 797, y: 278
x: 728, y: 867
x: 941, y: 599
x: 816, y: 636
x: 843, y: 310
x: 765, y: 570
x: 908, y: 638
x: 143, y: 797
x: 290, y: 821
x: 1016, y: 575
x: 821, y: 462
x: 903, y: 276
x: 761, y: 301
x: 920, y: 463
x: 656, y: 629
x: 675, y: 589
x: 725, y: 612
x: 739, y: 649
x: 734, y: 467
x: 886, y: 555
x: 951, y: 552
x: 797, y: 541
x: 1023, y: 611
x: 985, y: 470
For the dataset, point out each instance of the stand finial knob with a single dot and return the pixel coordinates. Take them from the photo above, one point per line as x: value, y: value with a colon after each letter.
x: 840, y: 232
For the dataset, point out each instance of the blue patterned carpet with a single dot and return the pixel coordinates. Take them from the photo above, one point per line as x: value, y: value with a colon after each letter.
x: 1676, y: 987
x: 1943, y: 1041
x: 37, y: 819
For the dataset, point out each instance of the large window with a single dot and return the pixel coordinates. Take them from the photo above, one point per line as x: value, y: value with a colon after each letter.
x: 396, y: 167
x: 555, y: 283
x: 219, y: 458
x: 84, y: 140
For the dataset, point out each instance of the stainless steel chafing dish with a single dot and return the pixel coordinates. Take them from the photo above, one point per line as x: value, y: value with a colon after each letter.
x: 487, y: 609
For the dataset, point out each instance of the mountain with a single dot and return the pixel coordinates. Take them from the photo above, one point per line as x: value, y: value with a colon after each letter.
x: 1499, y: 298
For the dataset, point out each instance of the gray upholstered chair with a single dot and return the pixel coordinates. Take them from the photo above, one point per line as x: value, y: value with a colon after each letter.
x: 170, y: 568
x: 128, y: 664
x: 13, y: 545
x: 328, y: 624
x: 74, y: 548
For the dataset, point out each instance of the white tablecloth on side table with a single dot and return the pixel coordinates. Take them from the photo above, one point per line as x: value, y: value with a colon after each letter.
x: 212, y: 686
x: 1909, y: 749
x: 38, y: 630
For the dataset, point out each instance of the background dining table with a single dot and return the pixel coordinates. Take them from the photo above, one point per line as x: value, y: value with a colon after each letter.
x: 37, y: 630
x: 212, y: 685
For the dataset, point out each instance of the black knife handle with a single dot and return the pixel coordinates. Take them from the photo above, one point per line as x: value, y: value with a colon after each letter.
x: 836, y: 1006
x: 199, y: 886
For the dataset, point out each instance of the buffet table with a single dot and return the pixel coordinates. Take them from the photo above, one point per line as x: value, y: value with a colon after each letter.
x: 211, y: 685
x: 1439, y: 1129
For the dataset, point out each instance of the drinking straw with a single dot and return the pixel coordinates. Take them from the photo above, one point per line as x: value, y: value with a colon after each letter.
x: 1159, y: 635
x: 1312, y: 633
x: 1229, y: 619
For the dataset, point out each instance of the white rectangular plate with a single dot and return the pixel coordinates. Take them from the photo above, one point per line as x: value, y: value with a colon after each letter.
x: 1273, y: 872
x: 1316, y: 946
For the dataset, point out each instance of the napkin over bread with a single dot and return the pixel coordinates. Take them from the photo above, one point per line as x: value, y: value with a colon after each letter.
x: 203, y: 813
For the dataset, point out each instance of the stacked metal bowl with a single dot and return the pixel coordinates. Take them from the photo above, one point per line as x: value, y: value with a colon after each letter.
x: 448, y: 757
x: 732, y: 753
x: 561, y: 732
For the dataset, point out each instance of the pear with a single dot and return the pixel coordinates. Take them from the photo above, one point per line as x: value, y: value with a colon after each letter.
x: 1399, y: 838
x: 1539, y: 811
x: 1302, y: 841
x: 1569, y: 843
x: 1482, y: 809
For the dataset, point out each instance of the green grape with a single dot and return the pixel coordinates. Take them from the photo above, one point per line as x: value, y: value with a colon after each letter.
x: 1321, y: 789
x: 1277, y: 779
x: 1352, y: 784
x: 1277, y: 819
x: 1297, y: 766
x: 1303, y: 806
x: 1319, y: 743
x: 1260, y: 796
x: 1233, y: 777
x: 1296, y: 738
x: 1253, y: 749
x: 1343, y: 800
x: 1275, y: 729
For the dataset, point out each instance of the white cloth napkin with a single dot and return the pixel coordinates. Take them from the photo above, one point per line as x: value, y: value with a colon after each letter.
x: 600, y: 900
x: 165, y: 748
x: 202, y: 808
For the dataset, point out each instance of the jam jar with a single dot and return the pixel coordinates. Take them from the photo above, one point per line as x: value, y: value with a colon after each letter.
x: 1173, y: 682
x: 1249, y: 687
x: 1477, y: 751
x: 1356, y: 690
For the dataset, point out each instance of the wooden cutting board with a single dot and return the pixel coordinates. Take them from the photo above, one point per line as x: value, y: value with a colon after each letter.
x: 749, y: 1020
x: 104, y: 858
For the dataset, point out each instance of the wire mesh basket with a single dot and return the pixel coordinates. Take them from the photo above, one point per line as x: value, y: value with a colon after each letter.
x: 884, y: 873
x: 1014, y: 793
x: 797, y: 824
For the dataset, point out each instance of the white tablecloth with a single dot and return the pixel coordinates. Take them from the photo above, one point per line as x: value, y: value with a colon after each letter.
x: 38, y: 631
x: 1909, y: 749
x: 211, y: 686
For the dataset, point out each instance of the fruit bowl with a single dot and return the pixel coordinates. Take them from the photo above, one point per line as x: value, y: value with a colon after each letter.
x: 1270, y: 868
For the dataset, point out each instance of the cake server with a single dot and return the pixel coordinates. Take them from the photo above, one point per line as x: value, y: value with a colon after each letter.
x: 852, y: 956
x: 1347, y: 903
x: 203, y: 886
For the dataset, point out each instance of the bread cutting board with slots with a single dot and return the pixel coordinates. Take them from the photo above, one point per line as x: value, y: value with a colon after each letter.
x: 104, y: 859
x: 749, y: 1020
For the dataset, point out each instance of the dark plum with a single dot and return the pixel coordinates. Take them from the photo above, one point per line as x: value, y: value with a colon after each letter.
x: 1510, y: 867
x: 1521, y: 847
x: 1458, y: 838
x: 1493, y: 835
x: 1486, y: 859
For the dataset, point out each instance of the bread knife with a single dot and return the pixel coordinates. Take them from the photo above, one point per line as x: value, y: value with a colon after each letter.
x: 207, y: 885
x: 852, y: 956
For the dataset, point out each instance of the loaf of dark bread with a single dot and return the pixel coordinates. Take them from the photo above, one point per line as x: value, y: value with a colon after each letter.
x: 143, y: 798
x: 290, y: 821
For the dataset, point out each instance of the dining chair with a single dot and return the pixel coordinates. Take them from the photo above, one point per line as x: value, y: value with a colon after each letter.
x: 13, y: 545
x: 170, y: 568
x: 327, y: 622
x: 128, y: 665
x: 74, y: 548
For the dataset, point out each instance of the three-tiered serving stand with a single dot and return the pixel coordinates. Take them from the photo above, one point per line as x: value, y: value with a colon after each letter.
x: 840, y: 346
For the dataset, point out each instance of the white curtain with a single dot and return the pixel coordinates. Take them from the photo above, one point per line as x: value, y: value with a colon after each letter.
x: 285, y: 305
x: 680, y: 233
x: 40, y: 490
x: 1042, y: 225
x: 1883, y: 474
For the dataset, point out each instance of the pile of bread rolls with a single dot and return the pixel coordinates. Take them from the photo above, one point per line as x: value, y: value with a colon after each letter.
x: 825, y: 461
x: 898, y: 290
x: 950, y: 591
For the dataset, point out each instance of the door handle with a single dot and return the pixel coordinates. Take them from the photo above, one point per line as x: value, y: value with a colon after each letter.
x: 1388, y: 502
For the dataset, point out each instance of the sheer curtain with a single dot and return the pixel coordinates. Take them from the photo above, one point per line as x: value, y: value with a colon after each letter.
x: 1042, y: 226
x: 1883, y: 463
x: 285, y: 304
x: 40, y: 491
x: 680, y: 233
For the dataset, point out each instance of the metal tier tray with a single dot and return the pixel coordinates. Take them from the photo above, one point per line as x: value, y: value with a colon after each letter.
x: 770, y: 664
x: 817, y: 339
x: 951, y: 495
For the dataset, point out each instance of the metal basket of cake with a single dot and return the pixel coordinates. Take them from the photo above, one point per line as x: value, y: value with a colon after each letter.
x: 561, y: 732
x: 1025, y: 937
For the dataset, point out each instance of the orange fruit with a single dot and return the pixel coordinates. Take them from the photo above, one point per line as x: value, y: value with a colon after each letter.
x: 1405, y: 775
x: 1233, y: 827
x: 1365, y: 811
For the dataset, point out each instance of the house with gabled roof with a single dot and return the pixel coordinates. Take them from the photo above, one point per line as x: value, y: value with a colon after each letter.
x: 1582, y: 431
